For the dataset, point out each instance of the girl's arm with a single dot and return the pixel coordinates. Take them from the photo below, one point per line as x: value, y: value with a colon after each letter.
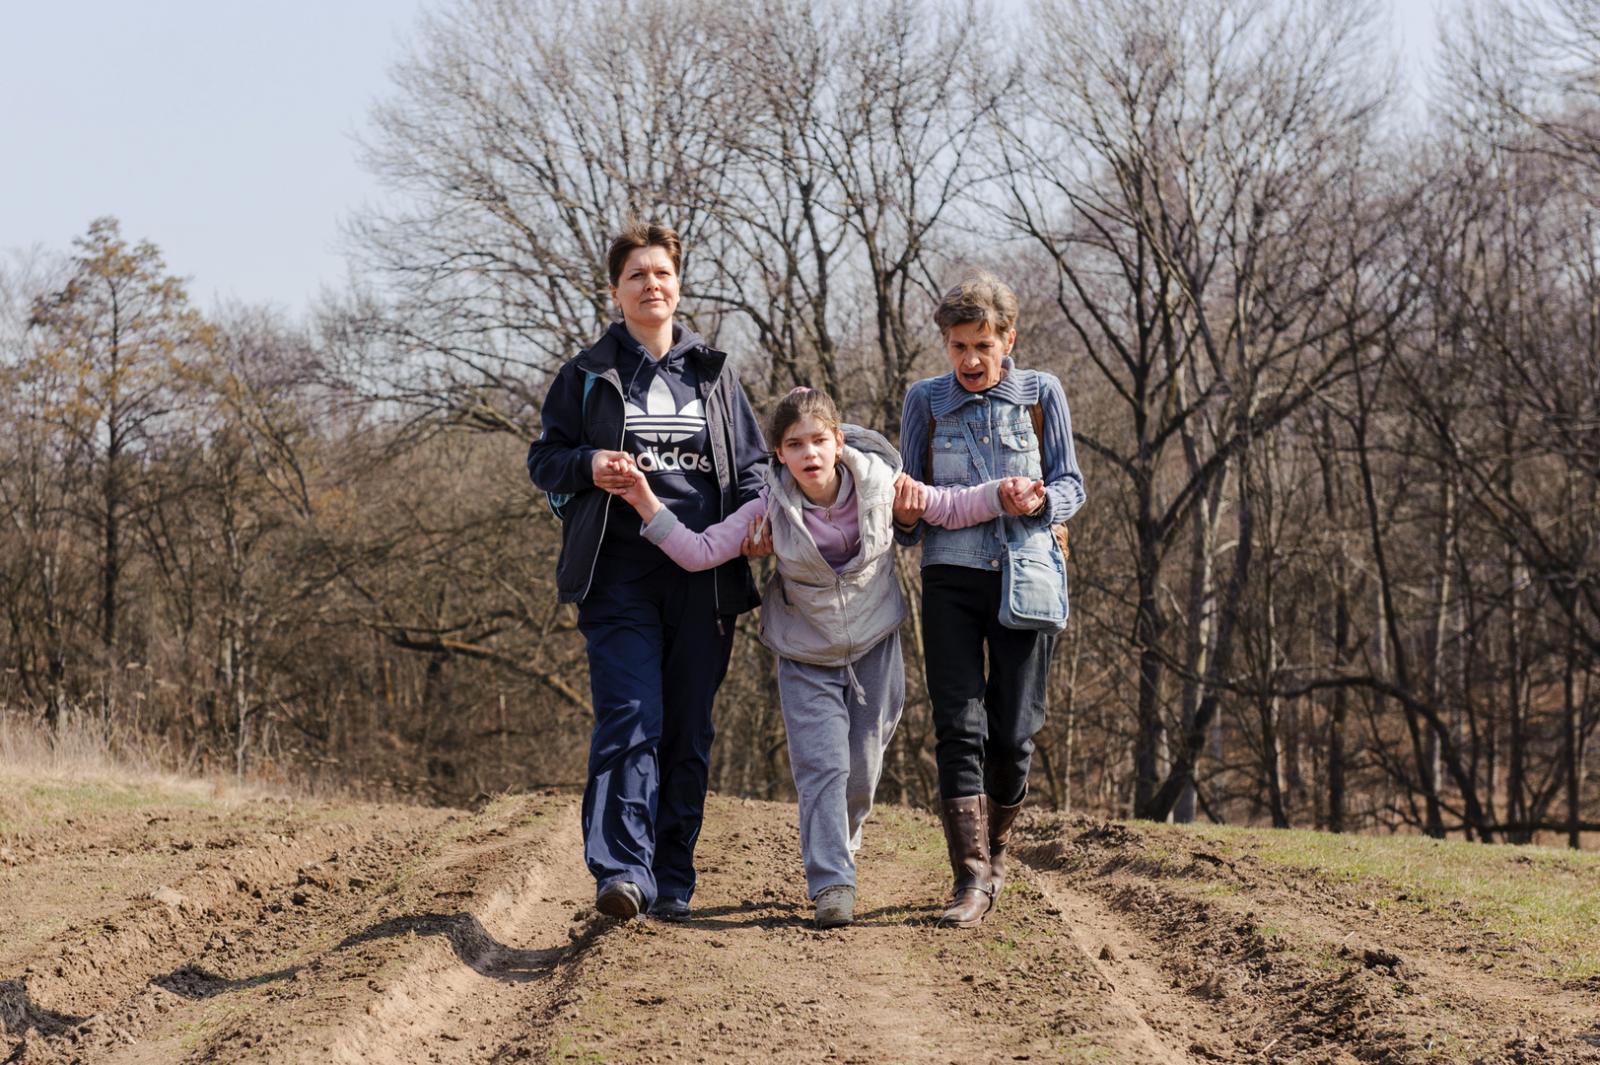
x: 957, y: 506
x: 691, y: 550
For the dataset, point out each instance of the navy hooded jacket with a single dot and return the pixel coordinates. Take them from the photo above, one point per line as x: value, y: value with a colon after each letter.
x: 584, y: 412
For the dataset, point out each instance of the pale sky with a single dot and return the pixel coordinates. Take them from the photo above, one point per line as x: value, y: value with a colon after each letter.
x: 222, y: 130
x: 219, y: 129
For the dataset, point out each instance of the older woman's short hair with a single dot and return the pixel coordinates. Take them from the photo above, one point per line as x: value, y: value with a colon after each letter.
x: 978, y: 297
x: 637, y: 233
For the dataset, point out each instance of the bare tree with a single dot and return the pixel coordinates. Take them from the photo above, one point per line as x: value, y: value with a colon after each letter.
x: 114, y: 335
x: 1182, y: 169
x: 519, y: 137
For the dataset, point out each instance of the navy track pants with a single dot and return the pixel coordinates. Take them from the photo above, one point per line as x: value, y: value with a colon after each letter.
x: 657, y: 652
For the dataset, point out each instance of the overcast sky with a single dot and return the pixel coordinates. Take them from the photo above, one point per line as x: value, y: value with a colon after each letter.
x: 223, y: 130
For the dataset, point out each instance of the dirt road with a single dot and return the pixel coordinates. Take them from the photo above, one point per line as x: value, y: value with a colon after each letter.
x: 160, y: 927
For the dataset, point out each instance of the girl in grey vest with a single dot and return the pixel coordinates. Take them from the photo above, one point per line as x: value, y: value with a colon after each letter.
x: 831, y: 612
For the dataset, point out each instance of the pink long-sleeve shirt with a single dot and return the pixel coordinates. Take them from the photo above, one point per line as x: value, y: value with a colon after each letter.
x: 836, y: 528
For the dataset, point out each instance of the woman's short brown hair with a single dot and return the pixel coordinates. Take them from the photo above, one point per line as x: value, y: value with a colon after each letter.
x: 637, y: 234
x: 978, y: 297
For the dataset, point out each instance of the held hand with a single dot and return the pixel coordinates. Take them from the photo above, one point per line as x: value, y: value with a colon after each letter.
x: 613, y: 470
x: 758, y: 541
x: 640, y: 496
x: 1010, y: 489
x: 1019, y: 496
x: 910, y: 500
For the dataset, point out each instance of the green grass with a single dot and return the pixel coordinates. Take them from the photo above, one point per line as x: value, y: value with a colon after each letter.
x: 215, y: 1013
x: 30, y: 805
x: 55, y: 801
x: 901, y: 836
x: 1542, y: 898
x: 1447, y: 1048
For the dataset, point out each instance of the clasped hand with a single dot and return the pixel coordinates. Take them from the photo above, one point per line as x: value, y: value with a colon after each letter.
x: 616, y: 472
x: 1020, y: 496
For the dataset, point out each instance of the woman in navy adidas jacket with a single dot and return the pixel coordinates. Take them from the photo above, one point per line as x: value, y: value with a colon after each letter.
x: 650, y: 395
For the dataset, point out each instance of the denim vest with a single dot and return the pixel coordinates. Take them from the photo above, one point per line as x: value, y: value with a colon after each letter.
x: 978, y: 438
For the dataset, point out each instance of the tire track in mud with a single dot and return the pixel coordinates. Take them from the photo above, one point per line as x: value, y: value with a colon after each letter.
x: 747, y: 979
x: 414, y: 936
x: 351, y: 942
x: 465, y: 949
x: 1155, y: 1024
x: 101, y: 980
x: 488, y: 978
x: 1237, y: 963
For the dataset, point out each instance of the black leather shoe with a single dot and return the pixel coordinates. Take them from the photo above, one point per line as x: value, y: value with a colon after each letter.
x: 620, y: 899
x: 669, y: 910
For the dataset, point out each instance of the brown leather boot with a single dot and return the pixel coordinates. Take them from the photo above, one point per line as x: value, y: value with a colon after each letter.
x: 1001, y: 818
x: 966, y: 833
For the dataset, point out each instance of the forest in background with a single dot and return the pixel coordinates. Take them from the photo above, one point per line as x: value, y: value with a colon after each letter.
x: 1333, y: 369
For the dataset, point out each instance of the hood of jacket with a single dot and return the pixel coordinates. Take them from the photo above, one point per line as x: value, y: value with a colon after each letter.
x: 873, y: 464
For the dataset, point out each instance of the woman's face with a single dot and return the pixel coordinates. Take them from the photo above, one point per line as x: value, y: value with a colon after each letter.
x: 809, y: 450
x: 977, y: 355
x: 647, y: 291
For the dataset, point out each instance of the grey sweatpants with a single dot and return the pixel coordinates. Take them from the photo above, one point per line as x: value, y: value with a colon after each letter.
x: 838, y: 732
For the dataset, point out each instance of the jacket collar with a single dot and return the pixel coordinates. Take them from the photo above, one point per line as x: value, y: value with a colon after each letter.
x: 602, y: 357
x: 868, y: 482
x: 1017, y: 386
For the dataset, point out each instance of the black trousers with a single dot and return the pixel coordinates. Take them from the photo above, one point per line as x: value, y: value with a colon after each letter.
x: 984, y: 721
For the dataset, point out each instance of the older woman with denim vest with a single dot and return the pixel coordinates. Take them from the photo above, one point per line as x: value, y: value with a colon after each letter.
x: 983, y: 420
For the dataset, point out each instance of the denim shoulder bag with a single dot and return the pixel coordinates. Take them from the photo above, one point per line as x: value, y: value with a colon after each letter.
x: 1033, y: 585
x: 1033, y: 581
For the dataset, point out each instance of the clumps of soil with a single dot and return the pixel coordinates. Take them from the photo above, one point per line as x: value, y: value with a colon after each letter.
x: 213, y: 910
x: 1275, y: 966
x: 426, y: 938
x: 19, y: 1016
x: 1225, y: 958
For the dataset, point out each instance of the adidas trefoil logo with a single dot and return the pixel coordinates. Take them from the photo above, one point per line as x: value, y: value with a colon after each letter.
x: 662, y: 421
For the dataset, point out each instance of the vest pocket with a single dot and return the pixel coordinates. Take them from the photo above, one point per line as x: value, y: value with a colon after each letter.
x: 950, y: 458
x: 1020, y: 454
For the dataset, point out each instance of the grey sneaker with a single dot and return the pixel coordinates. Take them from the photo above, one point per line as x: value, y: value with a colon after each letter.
x: 836, y: 906
x: 621, y: 899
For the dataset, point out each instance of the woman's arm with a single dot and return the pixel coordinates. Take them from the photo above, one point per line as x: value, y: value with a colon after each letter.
x: 750, y: 453
x: 1063, y: 481
x: 914, y: 453
x: 559, y: 461
x: 699, y: 551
